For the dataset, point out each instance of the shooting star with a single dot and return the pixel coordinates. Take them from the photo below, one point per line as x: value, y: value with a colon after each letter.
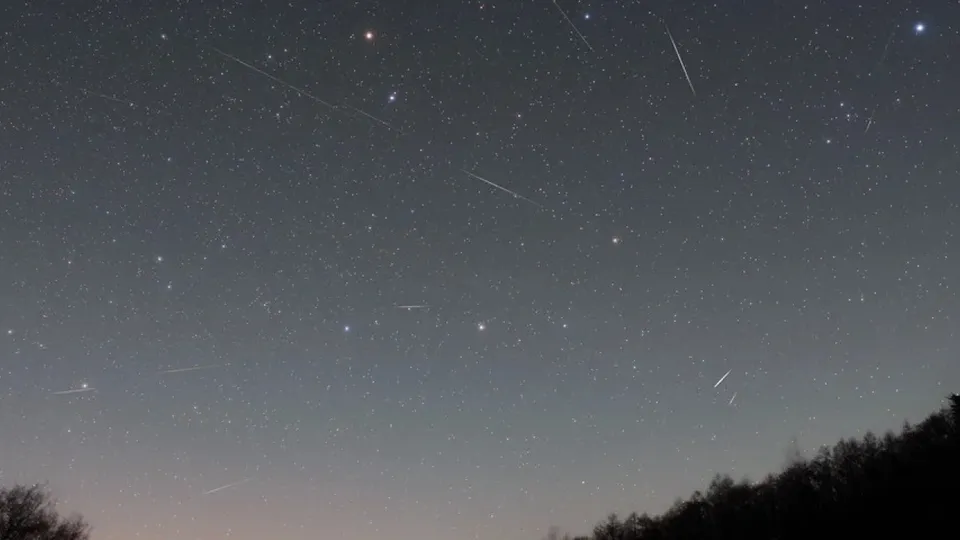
x: 876, y: 68
x: 108, y: 98
x: 184, y: 370
x: 80, y: 390
x: 730, y: 403
x: 299, y: 90
x: 501, y: 188
x: 680, y: 58
x: 722, y: 378
x: 227, y: 486
x: 575, y: 29
x: 375, y: 119
x: 413, y: 306
x: 883, y: 56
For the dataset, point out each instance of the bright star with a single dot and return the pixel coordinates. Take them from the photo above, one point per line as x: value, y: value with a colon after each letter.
x: 919, y: 28
x: 346, y: 328
x: 369, y: 35
x: 481, y: 327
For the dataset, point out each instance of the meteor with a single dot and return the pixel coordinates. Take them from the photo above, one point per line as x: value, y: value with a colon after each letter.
x: 74, y: 391
x: 501, y: 188
x: 682, y: 65
x: 227, y: 486
x: 722, y: 378
x: 184, y: 370
x: 575, y: 29
x: 296, y: 89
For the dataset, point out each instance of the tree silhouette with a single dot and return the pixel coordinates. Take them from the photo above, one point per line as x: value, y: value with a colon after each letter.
x: 28, y: 513
x: 553, y: 533
x: 895, y: 486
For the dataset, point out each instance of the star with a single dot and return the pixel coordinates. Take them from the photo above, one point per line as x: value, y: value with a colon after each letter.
x: 346, y: 328
x: 919, y: 28
x: 615, y: 240
x: 369, y: 35
x: 481, y: 327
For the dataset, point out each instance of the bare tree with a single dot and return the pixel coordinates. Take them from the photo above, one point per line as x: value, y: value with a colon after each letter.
x: 28, y: 513
x: 793, y: 455
x: 553, y: 533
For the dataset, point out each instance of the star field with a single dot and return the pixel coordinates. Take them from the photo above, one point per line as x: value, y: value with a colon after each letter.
x: 348, y: 269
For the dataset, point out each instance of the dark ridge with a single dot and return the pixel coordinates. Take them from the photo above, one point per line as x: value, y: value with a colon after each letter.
x: 904, y: 485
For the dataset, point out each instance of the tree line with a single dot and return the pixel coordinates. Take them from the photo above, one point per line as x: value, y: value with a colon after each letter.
x: 904, y: 485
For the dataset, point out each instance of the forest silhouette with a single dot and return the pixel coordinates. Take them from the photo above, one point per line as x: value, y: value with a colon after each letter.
x: 29, y: 513
x: 898, y: 486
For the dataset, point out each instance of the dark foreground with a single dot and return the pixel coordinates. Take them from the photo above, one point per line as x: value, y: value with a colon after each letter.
x: 904, y: 485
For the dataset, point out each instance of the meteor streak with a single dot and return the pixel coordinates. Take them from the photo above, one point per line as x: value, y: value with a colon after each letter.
x: 106, y: 97
x: 564, y: 13
x: 375, y: 119
x: 680, y: 58
x: 501, y: 188
x: 183, y: 370
x: 74, y: 391
x: 296, y: 89
x: 722, y: 378
x: 227, y: 486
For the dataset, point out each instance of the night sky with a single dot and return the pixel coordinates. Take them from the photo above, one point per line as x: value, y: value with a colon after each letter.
x: 460, y: 269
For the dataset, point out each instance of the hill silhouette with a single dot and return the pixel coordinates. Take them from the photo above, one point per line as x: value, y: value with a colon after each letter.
x: 897, y: 486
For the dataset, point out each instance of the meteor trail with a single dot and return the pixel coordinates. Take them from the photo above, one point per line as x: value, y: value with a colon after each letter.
x: 412, y: 306
x: 875, y: 69
x: 884, y: 55
x: 564, y: 13
x: 183, y: 370
x: 501, y: 188
x: 227, y: 486
x: 375, y: 119
x: 733, y: 398
x: 271, y: 77
x: 108, y: 98
x: 682, y: 65
x: 722, y: 378
x: 304, y: 92
x: 74, y: 391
